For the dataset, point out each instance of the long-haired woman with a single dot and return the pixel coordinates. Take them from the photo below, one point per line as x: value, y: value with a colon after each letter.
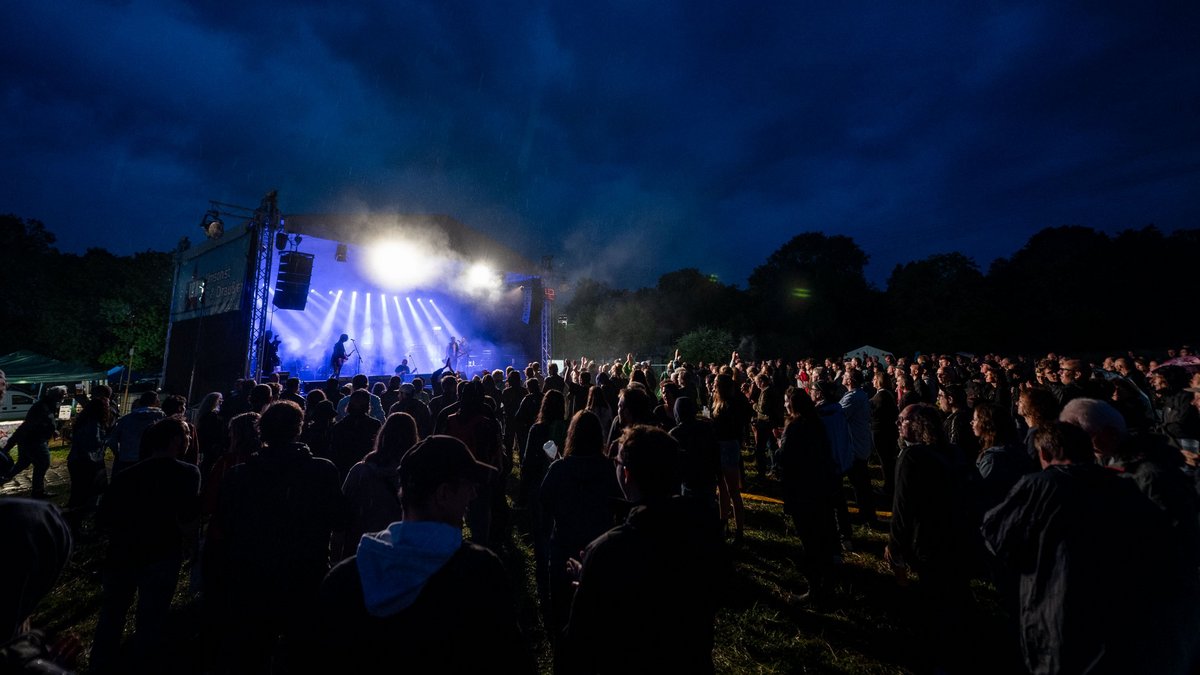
x: 731, y: 415
x: 810, y: 479
x: 372, y: 486
x: 212, y: 431
x: 85, y: 462
x: 597, y: 404
x: 577, y: 499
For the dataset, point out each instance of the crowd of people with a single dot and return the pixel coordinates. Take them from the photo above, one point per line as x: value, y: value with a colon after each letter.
x: 325, y: 529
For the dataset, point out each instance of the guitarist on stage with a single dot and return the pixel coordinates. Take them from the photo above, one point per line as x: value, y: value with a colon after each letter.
x: 453, y: 350
x: 339, y: 355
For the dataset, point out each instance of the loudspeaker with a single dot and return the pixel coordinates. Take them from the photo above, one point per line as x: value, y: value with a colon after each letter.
x: 291, y: 284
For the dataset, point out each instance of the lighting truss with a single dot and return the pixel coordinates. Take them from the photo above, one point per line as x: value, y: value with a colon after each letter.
x: 266, y: 223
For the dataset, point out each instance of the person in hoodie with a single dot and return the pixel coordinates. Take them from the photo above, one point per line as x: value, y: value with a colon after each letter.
x: 276, y: 513
x: 649, y: 588
x: 416, y: 597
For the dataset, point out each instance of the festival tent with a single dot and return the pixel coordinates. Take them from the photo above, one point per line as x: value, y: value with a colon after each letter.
x: 26, y: 367
x: 865, y: 351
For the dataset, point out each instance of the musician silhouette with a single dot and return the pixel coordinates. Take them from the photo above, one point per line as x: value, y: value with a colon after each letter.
x: 339, y: 355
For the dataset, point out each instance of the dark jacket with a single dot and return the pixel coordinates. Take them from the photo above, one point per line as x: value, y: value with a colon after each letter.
x: 884, y: 411
x: 700, y: 457
x: 149, y: 510
x: 806, y: 466
x: 997, y: 470
x: 1098, y: 589
x: 928, y: 522
x: 351, y: 438
x: 535, y: 462
x: 1157, y: 469
x: 39, y: 425
x: 277, y: 512
x: 463, y: 621
x: 578, y: 500
x: 1178, y: 418
x: 958, y: 432
x: 420, y: 414
x: 87, y: 443
x: 656, y: 581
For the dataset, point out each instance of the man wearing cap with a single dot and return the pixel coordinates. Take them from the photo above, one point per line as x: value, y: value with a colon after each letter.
x: 649, y: 588
x: 416, y: 597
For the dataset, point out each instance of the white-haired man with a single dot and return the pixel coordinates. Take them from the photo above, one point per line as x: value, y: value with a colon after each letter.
x: 1147, y: 459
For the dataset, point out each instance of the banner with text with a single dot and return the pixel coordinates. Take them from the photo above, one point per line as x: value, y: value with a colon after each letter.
x: 211, y: 277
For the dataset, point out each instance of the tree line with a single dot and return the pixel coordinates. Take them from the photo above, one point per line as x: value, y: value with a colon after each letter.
x: 91, y: 308
x: 1068, y: 288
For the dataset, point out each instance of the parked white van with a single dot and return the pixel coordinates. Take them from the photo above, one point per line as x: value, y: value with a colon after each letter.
x: 17, y: 402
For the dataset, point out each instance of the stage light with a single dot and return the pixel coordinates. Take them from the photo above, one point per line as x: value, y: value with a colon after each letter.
x: 481, y: 277
x: 281, y: 240
x: 212, y: 224
x: 340, y: 254
x: 399, y: 265
x: 354, y: 294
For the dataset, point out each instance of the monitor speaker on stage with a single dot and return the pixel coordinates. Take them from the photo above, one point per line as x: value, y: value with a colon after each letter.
x: 291, y: 285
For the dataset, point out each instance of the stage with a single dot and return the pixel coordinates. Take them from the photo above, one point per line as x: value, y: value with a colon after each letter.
x: 397, y: 287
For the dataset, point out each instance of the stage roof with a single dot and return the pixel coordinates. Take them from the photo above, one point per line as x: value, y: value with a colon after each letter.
x: 443, y: 230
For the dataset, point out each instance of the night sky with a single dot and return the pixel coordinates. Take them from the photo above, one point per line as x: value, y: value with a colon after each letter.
x: 627, y: 139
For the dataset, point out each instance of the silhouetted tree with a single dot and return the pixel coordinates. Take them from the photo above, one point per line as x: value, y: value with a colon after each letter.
x: 937, y: 304
x: 811, y: 296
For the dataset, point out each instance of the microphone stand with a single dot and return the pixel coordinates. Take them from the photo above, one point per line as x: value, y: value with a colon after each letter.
x: 357, y: 358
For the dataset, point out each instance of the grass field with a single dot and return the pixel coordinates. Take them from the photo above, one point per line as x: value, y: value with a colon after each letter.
x: 864, y: 627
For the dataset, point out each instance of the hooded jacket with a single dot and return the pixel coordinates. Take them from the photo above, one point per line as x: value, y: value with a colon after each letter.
x: 416, y: 598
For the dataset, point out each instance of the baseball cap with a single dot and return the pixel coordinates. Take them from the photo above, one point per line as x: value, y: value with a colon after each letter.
x: 441, y: 459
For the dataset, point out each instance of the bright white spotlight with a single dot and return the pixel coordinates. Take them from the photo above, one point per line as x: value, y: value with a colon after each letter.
x: 397, y: 265
x: 480, y: 277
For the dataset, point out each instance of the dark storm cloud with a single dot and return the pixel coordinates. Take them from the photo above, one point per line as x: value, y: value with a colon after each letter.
x: 626, y: 139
